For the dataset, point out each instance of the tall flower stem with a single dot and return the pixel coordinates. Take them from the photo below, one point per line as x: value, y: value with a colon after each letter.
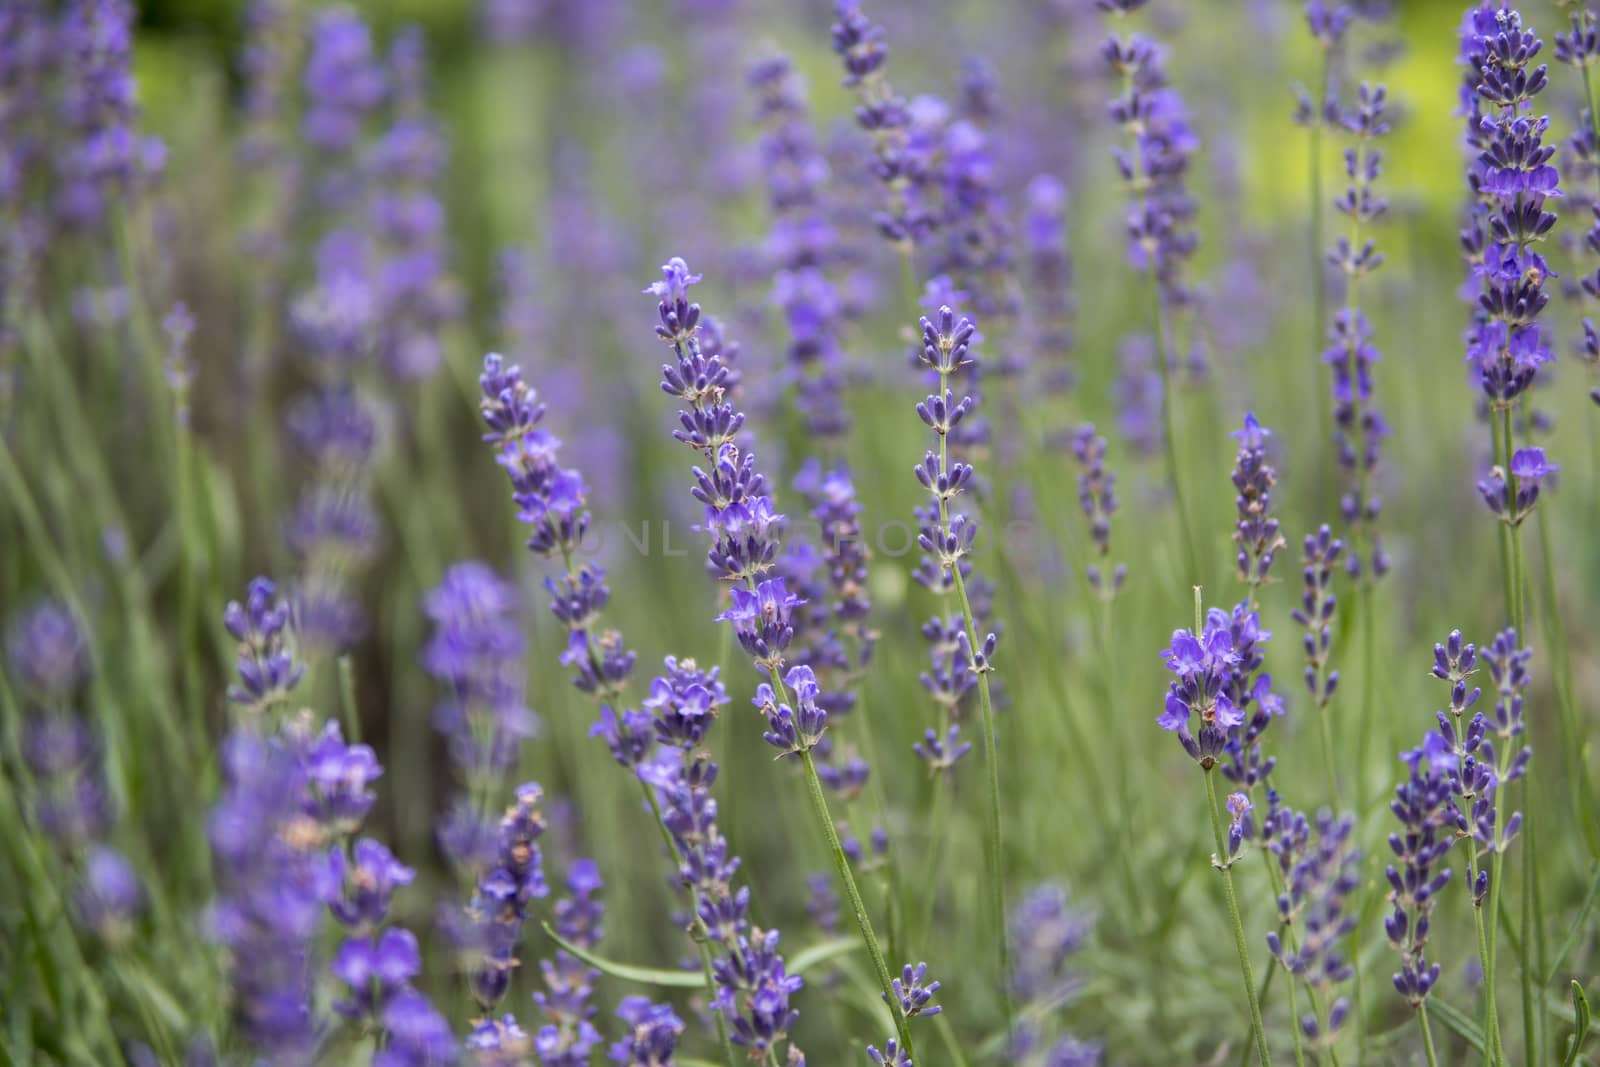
x: 995, y: 855
x: 858, y: 907
x: 1319, y: 289
x: 1257, y: 1028
x: 1169, y: 433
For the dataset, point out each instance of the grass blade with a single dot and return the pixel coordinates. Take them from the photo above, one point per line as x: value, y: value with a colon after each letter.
x: 1465, y: 1028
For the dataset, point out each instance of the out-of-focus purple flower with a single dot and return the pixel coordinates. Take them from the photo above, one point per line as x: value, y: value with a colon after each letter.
x: 1318, y: 603
x: 1046, y: 930
x: 48, y: 653
x: 891, y: 1056
x: 271, y: 881
x: 1320, y: 871
x: 110, y: 897
x: 905, y: 219
x: 1153, y: 162
x: 1097, y: 497
x: 368, y: 880
x: 1050, y: 281
x: 343, y: 81
x: 418, y: 1036
x: 568, y: 1037
x: 1256, y: 531
x: 475, y: 652
x: 653, y: 1032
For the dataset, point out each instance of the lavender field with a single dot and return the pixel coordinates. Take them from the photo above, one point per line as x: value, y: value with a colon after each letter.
x: 746, y: 532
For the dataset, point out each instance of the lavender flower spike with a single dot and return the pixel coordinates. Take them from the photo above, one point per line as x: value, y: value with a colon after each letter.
x: 744, y: 529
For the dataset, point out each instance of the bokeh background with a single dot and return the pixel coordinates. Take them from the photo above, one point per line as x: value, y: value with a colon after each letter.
x: 588, y: 141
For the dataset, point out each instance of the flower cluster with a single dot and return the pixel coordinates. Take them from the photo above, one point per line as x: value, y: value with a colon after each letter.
x: 553, y: 500
x: 800, y: 244
x: 1358, y: 427
x: 1318, y: 603
x: 1255, y: 533
x: 1512, y: 180
x: 834, y: 638
x: 1097, y: 497
x: 906, y: 218
x: 1320, y: 869
x: 569, y: 1035
x: 1423, y: 806
x: 475, y: 653
x: 1046, y: 931
x: 1154, y: 160
x: 1512, y: 492
x: 1218, y: 681
x: 1050, y: 280
x: 48, y: 655
x: 267, y: 666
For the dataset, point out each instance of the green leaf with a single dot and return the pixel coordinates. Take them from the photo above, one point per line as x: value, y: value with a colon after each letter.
x: 1463, y: 1027
x: 1580, y: 1032
x: 799, y: 963
x: 1576, y: 930
x: 820, y: 953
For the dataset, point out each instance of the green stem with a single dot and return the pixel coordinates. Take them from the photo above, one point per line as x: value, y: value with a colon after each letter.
x: 1491, y: 1037
x: 1169, y: 436
x: 858, y: 907
x: 349, y: 710
x: 1256, y: 1027
x: 1427, y: 1034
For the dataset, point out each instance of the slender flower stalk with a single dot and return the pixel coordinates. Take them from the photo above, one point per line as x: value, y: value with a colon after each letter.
x: 744, y: 526
x: 1423, y: 806
x: 1316, y: 109
x: 1512, y: 179
x: 553, y: 501
x: 947, y: 538
x: 1153, y: 162
x: 1321, y: 556
x: 1208, y: 673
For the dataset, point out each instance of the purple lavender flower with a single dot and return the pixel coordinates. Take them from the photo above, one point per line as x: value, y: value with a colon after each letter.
x: 1050, y: 280
x: 1512, y: 499
x: 1154, y: 162
x: 942, y: 753
x: 418, y: 1036
x: 1511, y: 180
x: 1315, y: 614
x: 48, y: 654
x: 475, y: 653
x: 1358, y: 427
x: 916, y: 992
x: 1204, y: 665
x: 905, y: 219
x: 343, y: 81
x: 797, y: 729
x: 799, y: 244
x: 1426, y: 814
x: 110, y: 897
x: 653, y: 1035
x: 1256, y: 531
x: 102, y: 157
x: 1319, y: 872
x: 1097, y: 497
x: 271, y: 883
x: 268, y: 668
x: 836, y: 640
x: 568, y: 1037
x: 486, y: 934
x: 891, y: 1056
